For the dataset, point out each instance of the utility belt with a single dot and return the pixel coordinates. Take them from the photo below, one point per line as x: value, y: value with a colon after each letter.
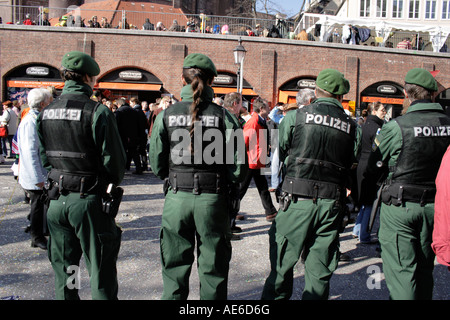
x: 297, y: 188
x: 197, y: 182
x: 399, y: 193
x: 64, y: 182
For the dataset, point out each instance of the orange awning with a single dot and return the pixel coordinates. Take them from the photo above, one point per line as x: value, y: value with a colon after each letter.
x: 225, y: 90
x: 34, y: 84
x: 382, y: 100
x: 287, y: 96
x: 128, y: 86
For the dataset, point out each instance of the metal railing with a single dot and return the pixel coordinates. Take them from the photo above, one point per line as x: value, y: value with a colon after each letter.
x: 126, y: 19
x: 419, y: 41
x: 136, y: 19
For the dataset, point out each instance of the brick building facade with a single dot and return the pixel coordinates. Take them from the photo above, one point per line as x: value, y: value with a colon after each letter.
x: 151, y: 62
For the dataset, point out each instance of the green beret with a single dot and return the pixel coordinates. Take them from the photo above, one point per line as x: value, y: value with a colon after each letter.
x: 198, y: 60
x: 81, y: 63
x: 333, y: 82
x: 421, y: 77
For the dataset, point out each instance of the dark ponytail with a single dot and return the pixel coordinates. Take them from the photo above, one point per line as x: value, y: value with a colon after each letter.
x: 198, y: 79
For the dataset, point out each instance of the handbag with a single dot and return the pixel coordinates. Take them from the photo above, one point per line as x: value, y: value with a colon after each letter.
x: 3, y: 131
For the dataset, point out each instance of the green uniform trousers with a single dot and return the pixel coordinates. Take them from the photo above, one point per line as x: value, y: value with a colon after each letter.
x: 188, y: 218
x: 408, y: 260
x: 309, y: 226
x: 78, y: 226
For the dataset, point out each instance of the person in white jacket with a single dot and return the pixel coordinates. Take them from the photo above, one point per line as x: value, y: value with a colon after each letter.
x: 9, y: 118
x: 32, y: 175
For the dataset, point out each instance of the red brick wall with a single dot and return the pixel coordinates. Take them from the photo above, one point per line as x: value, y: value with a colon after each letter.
x: 269, y: 63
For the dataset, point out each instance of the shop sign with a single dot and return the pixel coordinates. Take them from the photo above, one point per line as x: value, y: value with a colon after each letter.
x: 306, y: 83
x: 37, y: 71
x: 130, y: 75
x: 387, y: 89
x: 223, y: 79
x: 33, y: 84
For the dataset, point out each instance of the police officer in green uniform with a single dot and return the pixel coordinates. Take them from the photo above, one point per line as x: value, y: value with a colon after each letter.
x: 81, y: 147
x: 192, y: 147
x: 316, y: 144
x: 411, y: 147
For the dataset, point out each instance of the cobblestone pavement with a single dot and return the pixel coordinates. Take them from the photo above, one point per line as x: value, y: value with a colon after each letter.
x: 26, y: 273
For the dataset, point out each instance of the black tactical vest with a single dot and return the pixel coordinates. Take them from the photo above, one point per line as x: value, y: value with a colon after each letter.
x: 201, y: 166
x: 425, y: 138
x: 66, y: 126
x: 321, y: 153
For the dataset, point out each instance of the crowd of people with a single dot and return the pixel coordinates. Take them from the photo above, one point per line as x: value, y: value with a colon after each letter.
x: 321, y: 163
x: 279, y: 29
x: 348, y: 34
x: 135, y: 127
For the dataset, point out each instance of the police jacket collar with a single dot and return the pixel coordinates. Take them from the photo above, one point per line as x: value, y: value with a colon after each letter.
x: 424, y: 105
x: 75, y: 87
x: 187, y: 94
x: 329, y: 101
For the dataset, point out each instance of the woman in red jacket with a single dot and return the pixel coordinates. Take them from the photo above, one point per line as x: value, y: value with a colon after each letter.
x: 256, y: 142
x: 441, y: 231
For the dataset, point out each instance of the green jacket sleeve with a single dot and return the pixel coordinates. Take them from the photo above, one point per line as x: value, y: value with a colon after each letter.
x: 159, y: 148
x: 236, y: 154
x: 357, y: 148
x: 107, y: 138
x: 42, y: 153
x: 286, y: 130
x: 388, y: 145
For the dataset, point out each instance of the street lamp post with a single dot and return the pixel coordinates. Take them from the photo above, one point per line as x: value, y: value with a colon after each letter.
x: 239, y: 56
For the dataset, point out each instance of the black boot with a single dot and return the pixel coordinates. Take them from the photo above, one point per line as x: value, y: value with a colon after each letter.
x: 39, y: 242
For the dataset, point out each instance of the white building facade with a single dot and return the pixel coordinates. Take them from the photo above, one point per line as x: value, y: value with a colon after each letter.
x: 424, y: 12
x: 431, y: 17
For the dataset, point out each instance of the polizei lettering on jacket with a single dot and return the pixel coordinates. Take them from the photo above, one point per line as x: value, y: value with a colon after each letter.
x: 432, y: 131
x: 62, y: 114
x: 186, y: 121
x: 328, y: 121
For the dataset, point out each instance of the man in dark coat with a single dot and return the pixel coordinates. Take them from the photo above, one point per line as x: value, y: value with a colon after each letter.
x: 367, y: 184
x: 143, y: 129
x: 128, y: 125
x: 148, y: 25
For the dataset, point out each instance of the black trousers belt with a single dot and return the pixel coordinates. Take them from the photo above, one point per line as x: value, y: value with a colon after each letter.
x: 197, y: 182
x: 312, y: 189
x: 65, y: 181
x: 398, y: 193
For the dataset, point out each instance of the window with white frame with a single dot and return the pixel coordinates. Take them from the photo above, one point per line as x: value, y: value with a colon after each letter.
x: 414, y: 9
x: 397, y: 8
x: 364, y: 8
x: 381, y: 8
x: 445, y: 10
x: 430, y: 9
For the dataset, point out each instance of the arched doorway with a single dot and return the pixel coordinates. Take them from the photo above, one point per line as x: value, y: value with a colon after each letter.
x: 226, y: 82
x: 387, y: 92
x: 288, y: 91
x: 130, y: 82
x: 22, y: 79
